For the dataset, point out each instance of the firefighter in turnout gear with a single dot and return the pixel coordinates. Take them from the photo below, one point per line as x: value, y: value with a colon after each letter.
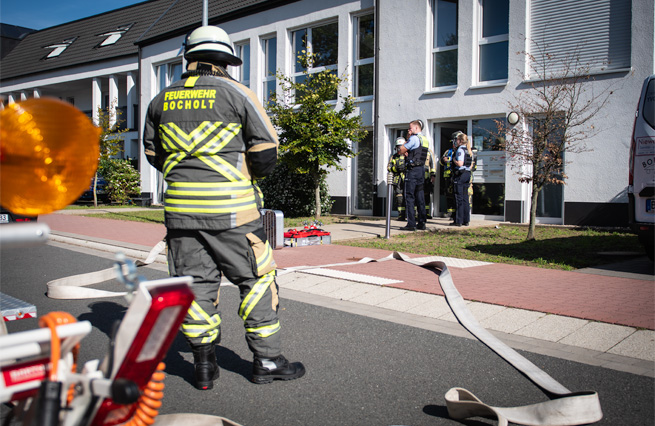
x: 397, y: 167
x: 211, y: 138
x: 446, y: 163
x: 428, y: 185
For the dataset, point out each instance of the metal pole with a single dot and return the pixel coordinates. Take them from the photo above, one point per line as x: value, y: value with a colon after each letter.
x: 389, y: 203
x: 24, y: 234
x: 205, y: 7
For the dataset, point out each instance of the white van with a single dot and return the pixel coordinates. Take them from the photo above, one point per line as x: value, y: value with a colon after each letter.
x: 641, y: 185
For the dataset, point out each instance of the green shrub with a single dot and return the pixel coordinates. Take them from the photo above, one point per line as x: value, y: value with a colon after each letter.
x: 293, y: 193
x: 123, y: 180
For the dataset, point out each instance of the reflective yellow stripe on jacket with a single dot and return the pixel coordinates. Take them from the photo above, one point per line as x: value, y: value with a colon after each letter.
x: 204, y: 143
x: 210, y: 197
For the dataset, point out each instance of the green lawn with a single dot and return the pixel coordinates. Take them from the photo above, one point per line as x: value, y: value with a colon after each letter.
x: 555, y: 247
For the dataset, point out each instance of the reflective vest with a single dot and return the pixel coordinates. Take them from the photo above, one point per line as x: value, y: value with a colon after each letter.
x: 468, y: 160
x: 419, y: 155
x: 211, y: 138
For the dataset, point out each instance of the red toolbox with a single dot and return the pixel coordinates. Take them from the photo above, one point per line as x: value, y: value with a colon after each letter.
x: 309, y: 236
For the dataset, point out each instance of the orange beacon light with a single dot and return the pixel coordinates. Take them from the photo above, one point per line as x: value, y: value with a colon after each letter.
x: 48, y: 154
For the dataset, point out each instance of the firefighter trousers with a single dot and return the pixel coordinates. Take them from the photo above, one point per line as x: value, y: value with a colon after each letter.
x: 244, y: 256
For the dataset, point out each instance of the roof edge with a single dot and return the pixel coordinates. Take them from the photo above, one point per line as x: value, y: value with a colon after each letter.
x: 9, y: 79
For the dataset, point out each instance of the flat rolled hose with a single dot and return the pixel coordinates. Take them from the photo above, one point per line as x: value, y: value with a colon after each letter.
x: 565, y: 408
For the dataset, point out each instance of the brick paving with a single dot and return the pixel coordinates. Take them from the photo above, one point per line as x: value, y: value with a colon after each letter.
x: 623, y: 301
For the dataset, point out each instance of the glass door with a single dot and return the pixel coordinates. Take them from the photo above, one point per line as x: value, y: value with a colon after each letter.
x: 444, y: 198
x: 363, y: 189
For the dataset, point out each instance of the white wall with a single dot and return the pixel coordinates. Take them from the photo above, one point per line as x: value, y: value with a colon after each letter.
x: 596, y: 176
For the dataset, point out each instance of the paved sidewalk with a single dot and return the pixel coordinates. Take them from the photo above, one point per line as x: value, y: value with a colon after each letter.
x: 599, y: 317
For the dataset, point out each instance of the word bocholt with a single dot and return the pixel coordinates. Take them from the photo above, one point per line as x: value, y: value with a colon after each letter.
x: 189, y: 99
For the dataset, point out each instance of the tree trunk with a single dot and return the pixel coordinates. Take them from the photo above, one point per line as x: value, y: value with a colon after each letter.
x: 95, y: 186
x: 533, y: 211
x: 317, y: 192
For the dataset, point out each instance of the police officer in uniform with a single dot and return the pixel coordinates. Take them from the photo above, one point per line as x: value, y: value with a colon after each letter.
x: 462, y: 160
x: 211, y: 139
x: 417, y: 149
x: 397, y: 167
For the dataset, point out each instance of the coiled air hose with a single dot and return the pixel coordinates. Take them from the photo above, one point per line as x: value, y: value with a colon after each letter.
x: 147, y: 407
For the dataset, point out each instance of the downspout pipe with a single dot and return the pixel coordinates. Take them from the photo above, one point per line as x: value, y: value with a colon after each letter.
x: 376, y: 98
x: 205, y: 13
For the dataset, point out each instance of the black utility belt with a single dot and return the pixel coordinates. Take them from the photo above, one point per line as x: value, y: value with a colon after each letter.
x: 459, y: 172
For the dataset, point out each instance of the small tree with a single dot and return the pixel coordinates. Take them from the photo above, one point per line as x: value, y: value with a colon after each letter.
x: 111, y: 139
x: 556, y: 112
x: 314, y: 134
x: 292, y: 199
x: 123, y: 180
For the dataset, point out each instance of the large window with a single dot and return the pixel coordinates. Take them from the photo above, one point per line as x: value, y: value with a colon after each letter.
x: 243, y: 72
x: 323, y: 42
x: 594, y: 33
x: 489, y: 176
x: 444, y: 44
x: 270, y: 68
x: 493, y: 40
x: 485, y: 135
x: 550, y: 199
x: 364, y: 55
x: 363, y: 164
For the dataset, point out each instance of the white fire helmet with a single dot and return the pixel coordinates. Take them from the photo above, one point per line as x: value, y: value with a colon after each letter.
x: 400, y: 141
x: 210, y: 43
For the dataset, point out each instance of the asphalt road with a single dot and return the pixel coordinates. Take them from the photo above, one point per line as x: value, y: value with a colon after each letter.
x: 360, y: 370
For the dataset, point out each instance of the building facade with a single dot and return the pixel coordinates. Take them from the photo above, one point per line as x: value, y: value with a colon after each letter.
x: 456, y: 65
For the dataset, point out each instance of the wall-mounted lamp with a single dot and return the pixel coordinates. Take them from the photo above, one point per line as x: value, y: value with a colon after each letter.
x: 513, y: 118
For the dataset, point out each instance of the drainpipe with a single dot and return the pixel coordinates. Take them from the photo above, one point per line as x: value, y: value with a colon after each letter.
x: 376, y: 97
x: 205, y: 7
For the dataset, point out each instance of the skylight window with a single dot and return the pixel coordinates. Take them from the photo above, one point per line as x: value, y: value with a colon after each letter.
x: 113, y: 36
x: 59, y: 48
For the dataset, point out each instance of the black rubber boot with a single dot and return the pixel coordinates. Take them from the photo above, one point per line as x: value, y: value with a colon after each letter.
x: 265, y: 370
x: 205, y: 366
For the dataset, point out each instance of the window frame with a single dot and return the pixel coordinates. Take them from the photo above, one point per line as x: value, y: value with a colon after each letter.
x: 488, y: 41
x: 266, y: 77
x: 240, y: 71
x: 168, y: 73
x: 308, y: 47
x: 435, y: 50
x: 357, y: 63
x: 550, y: 190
